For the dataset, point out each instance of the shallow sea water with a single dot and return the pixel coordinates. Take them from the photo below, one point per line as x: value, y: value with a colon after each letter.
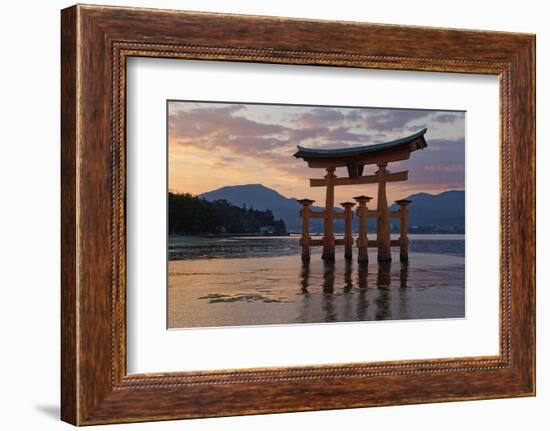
x: 214, y: 285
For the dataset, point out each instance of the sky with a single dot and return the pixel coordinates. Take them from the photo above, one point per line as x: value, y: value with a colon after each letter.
x: 211, y: 145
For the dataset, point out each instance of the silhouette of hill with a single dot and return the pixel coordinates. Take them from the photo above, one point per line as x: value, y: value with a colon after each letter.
x: 188, y: 214
x: 428, y: 213
x: 261, y: 198
x: 441, y: 212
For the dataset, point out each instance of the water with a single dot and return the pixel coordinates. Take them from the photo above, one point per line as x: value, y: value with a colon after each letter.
x: 181, y: 247
x: 232, y: 281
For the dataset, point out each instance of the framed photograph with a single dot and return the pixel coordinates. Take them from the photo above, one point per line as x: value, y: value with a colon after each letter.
x: 264, y: 214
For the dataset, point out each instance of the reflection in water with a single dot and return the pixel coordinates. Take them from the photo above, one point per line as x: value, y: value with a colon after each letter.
x: 328, y: 276
x: 305, y: 314
x: 362, y: 300
x: 362, y: 276
x: 403, y: 291
x: 383, y: 276
x: 348, y: 286
x: 342, y: 297
x: 348, y: 278
x: 328, y: 290
x: 404, y: 274
x: 353, y: 287
x: 383, y: 282
x: 304, y: 277
x: 282, y: 290
x: 197, y: 247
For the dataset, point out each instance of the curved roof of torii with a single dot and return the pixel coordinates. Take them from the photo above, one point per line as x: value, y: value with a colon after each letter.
x: 318, y: 153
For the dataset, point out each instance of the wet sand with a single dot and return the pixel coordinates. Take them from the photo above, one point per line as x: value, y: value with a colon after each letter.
x: 281, y: 290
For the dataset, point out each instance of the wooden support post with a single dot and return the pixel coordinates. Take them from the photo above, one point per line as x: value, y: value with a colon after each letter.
x: 404, y: 227
x: 362, y: 239
x: 383, y: 225
x: 348, y: 234
x: 305, y: 240
x: 328, y: 227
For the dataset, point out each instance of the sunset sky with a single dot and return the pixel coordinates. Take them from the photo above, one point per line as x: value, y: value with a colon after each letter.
x: 211, y: 145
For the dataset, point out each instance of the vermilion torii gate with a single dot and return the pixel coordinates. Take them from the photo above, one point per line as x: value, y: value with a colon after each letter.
x: 355, y: 159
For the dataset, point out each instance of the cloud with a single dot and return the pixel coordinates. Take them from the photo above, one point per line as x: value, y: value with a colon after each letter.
x: 391, y: 119
x: 369, y: 119
x: 229, y: 134
x: 222, y: 129
x: 343, y: 134
x: 442, y: 162
x: 228, y: 128
x: 444, y: 168
x: 329, y: 137
x: 305, y: 133
x: 205, y: 122
x: 320, y: 116
x: 448, y: 117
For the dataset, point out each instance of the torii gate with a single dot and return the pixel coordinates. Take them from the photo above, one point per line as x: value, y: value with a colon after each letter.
x: 355, y: 159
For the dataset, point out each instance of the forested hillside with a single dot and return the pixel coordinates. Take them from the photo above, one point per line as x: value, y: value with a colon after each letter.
x: 188, y: 214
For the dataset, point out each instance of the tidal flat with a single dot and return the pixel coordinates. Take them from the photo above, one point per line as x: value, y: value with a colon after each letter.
x: 262, y: 281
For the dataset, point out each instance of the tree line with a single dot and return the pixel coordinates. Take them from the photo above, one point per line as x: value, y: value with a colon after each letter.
x: 189, y: 214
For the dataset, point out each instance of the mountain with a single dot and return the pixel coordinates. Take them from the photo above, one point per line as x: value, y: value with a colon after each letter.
x: 443, y: 212
x: 428, y: 213
x: 262, y: 198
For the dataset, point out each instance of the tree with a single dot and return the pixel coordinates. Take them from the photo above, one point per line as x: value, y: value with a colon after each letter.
x: 188, y: 214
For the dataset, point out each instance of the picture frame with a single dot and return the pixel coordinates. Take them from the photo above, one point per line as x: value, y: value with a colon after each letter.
x: 96, y: 42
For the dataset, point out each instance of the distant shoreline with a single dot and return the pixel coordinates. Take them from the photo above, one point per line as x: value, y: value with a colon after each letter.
x: 225, y: 235
x: 232, y: 246
x: 298, y: 234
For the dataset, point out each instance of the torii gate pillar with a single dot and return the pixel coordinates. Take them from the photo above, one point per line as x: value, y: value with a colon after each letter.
x: 383, y: 237
x: 329, y: 244
x: 348, y: 232
x: 305, y: 240
x: 404, y: 227
x: 362, y: 238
